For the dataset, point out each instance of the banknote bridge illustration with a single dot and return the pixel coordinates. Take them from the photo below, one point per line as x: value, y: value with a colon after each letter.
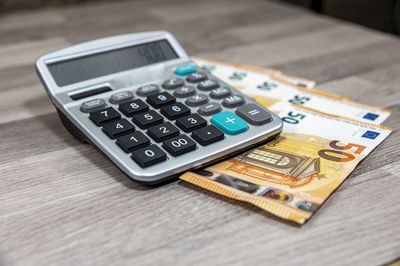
x: 277, y: 166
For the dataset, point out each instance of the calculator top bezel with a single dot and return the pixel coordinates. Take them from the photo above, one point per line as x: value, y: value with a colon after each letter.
x: 60, y: 94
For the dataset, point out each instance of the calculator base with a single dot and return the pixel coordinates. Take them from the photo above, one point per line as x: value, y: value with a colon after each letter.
x: 75, y: 131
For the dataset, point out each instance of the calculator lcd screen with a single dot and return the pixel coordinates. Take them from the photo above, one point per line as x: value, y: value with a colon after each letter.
x: 109, y: 62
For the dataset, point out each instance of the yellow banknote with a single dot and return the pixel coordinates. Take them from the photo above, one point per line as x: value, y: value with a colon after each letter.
x: 271, y: 90
x: 293, y: 175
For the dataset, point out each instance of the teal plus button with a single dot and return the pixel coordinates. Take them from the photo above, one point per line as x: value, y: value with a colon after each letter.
x: 229, y: 123
x: 184, y: 70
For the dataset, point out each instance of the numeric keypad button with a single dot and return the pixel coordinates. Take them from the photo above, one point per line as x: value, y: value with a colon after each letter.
x: 207, y: 85
x: 147, y: 119
x: 147, y: 90
x: 210, y: 109
x: 118, y: 128
x: 197, y: 100
x: 196, y: 77
x: 207, y: 135
x: 133, y: 141
x: 220, y: 93
x: 184, y: 92
x: 191, y: 122
x: 172, y: 84
x: 148, y: 156
x: 175, y: 110
x: 160, y: 99
x: 233, y: 101
x: 133, y: 107
x: 103, y: 116
x: 179, y: 145
x: 163, y: 131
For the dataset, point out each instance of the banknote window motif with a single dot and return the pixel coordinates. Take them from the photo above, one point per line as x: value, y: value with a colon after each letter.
x: 276, y: 166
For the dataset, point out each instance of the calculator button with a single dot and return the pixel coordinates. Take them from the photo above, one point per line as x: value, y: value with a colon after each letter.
x: 220, y: 93
x: 133, y: 141
x: 173, y: 83
x: 149, y: 155
x: 159, y: 99
x: 229, y: 123
x: 210, y: 109
x: 120, y: 97
x: 254, y: 114
x: 133, y: 107
x: 147, y: 119
x: 196, y: 77
x: 233, y: 101
x: 93, y: 105
x: 147, y: 90
x: 179, y: 145
x: 184, y: 91
x: 191, y: 122
x: 118, y: 128
x: 207, y: 135
x: 184, y: 70
x: 208, y: 85
x: 102, y: 116
x: 163, y: 131
x: 175, y: 110
x: 197, y: 100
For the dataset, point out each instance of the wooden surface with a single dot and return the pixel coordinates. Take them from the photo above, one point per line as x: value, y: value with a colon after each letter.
x: 63, y: 203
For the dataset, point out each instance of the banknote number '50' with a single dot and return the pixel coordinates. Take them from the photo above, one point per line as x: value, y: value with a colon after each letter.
x: 338, y: 154
x: 293, y: 118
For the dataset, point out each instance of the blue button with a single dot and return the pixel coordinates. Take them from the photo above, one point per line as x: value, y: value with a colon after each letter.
x: 184, y: 70
x: 229, y: 123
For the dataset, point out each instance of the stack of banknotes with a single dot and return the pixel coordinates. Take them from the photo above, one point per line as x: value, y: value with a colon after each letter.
x: 325, y: 136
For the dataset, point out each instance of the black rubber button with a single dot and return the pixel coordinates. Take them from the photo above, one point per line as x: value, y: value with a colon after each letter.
x: 162, y: 131
x: 175, y: 110
x: 160, y: 99
x: 191, y: 122
x: 103, y: 116
x: 148, y: 156
x: 147, y: 119
x: 118, y: 128
x: 207, y: 135
x: 179, y: 145
x: 133, y: 107
x: 133, y: 141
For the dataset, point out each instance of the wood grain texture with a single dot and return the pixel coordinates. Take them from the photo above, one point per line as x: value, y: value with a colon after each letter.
x: 63, y: 203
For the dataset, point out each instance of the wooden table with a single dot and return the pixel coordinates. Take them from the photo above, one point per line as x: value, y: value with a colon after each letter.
x: 61, y: 202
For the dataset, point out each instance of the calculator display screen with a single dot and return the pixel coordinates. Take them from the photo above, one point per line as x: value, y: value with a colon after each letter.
x: 109, y: 62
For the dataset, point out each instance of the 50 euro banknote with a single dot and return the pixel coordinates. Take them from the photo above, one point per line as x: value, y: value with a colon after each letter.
x: 292, y: 176
x: 269, y: 88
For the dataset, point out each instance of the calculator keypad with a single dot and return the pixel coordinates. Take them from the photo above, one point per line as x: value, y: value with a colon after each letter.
x: 167, y: 124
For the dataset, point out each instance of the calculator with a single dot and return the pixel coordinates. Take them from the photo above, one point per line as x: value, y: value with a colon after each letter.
x: 141, y: 101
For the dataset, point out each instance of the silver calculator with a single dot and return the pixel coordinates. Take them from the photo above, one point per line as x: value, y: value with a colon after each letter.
x: 141, y: 100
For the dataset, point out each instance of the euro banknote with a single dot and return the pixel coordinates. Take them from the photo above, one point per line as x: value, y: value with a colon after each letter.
x: 293, y: 175
x: 271, y: 89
